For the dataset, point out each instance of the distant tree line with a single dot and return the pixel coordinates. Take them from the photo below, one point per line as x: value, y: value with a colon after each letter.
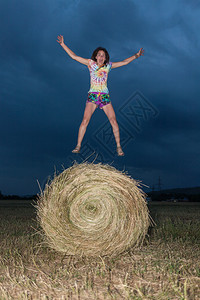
x: 16, y: 197
x: 155, y: 196
x: 160, y: 196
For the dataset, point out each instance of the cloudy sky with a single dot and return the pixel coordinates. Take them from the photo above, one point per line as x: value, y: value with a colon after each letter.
x: 43, y: 91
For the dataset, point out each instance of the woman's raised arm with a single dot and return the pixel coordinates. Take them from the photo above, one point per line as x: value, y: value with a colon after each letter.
x: 82, y: 60
x: 127, y: 60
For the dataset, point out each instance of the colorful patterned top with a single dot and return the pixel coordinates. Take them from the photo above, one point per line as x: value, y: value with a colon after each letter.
x: 98, y: 77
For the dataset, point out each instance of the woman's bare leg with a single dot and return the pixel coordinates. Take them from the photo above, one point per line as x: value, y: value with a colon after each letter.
x: 109, y: 111
x: 89, y: 110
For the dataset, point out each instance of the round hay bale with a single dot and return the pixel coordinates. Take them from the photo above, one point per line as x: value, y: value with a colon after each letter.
x: 93, y: 209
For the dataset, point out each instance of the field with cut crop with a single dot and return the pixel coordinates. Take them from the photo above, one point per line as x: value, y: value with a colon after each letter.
x: 167, y: 266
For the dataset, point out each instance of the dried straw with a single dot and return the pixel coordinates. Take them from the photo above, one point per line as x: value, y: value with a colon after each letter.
x: 93, y: 209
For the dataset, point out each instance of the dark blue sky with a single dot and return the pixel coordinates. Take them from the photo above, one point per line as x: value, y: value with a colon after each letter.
x: 43, y: 91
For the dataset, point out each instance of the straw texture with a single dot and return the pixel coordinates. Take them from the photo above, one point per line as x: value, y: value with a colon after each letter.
x: 93, y: 209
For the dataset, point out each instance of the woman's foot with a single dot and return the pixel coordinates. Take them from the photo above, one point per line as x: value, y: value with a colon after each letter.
x: 120, y: 151
x: 77, y: 149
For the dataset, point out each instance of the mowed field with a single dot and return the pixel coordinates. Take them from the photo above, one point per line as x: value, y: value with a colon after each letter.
x: 167, y: 266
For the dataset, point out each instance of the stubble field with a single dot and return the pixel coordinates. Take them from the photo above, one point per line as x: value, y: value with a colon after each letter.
x: 167, y: 266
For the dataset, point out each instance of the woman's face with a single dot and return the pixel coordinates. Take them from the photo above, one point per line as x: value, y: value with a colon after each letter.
x: 101, y: 57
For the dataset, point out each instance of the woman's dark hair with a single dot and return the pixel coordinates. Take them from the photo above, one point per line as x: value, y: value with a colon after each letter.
x: 94, y: 54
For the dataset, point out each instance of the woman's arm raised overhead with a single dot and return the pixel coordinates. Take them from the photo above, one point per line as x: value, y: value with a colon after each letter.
x: 82, y: 60
x: 127, y: 60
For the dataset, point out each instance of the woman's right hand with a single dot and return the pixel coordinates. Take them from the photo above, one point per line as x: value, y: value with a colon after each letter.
x: 60, y: 40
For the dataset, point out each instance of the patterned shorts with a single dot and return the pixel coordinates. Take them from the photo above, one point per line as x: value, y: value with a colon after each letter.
x: 100, y: 99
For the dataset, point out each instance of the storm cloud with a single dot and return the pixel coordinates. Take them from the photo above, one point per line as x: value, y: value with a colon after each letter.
x: 43, y: 91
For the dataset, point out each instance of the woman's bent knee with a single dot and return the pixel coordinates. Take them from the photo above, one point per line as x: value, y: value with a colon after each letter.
x: 85, y: 122
x: 113, y: 121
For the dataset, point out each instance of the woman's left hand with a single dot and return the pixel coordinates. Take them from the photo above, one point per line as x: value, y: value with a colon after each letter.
x: 141, y: 52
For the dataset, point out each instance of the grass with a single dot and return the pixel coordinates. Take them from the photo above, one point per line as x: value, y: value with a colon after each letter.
x: 165, y: 267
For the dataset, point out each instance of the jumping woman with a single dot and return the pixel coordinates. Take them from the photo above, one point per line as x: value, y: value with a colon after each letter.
x: 98, y: 96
